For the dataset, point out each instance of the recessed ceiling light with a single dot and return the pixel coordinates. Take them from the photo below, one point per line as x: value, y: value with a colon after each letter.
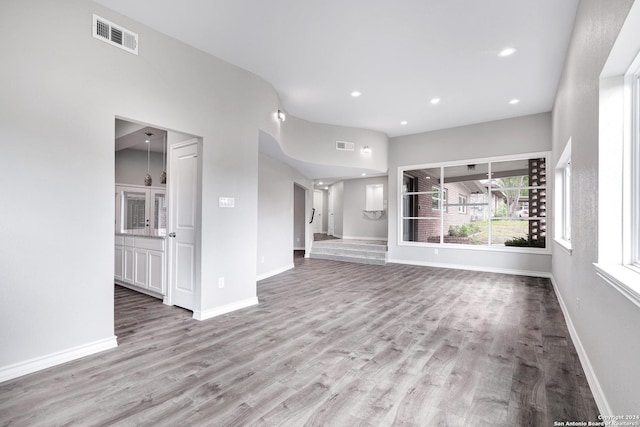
x: 507, y: 51
x: 404, y: 122
x: 364, y: 174
x: 326, y: 188
x: 435, y: 101
x: 514, y: 101
x: 356, y: 93
x: 320, y: 183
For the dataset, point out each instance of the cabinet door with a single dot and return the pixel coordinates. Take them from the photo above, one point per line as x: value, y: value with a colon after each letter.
x: 141, y: 267
x: 156, y: 272
x: 158, y: 213
x: 128, y: 265
x: 119, y: 262
x: 135, y: 211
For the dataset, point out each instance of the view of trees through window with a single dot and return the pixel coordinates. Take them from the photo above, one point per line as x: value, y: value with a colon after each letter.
x: 493, y: 203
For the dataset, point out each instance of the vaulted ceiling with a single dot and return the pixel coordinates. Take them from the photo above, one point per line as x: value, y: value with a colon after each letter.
x: 399, y: 55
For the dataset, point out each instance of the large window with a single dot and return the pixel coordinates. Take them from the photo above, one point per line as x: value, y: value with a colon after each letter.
x: 632, y: 192
x: 619, y: 165
x: 501, y: 202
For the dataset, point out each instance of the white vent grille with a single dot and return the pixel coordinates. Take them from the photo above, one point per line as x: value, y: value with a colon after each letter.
x: 345, y: 146
x: 114, y: 34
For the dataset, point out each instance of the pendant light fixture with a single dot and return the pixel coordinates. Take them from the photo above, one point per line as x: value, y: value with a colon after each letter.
x: 147, y: 177
x: 163, y: 175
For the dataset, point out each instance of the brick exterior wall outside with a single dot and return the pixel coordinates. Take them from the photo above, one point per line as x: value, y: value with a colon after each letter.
x: 428, y: 230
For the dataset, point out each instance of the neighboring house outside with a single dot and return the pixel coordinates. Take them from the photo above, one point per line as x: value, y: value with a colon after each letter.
x: 453, y: 199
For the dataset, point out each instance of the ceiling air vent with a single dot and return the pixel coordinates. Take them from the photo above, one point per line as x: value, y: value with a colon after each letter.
x: 345, y: 146
x: 114, y: 34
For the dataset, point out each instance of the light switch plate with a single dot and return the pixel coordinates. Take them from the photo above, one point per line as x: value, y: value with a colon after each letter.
x: 227, y: 202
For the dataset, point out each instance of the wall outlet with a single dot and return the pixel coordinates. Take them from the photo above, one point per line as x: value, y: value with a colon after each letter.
x: 435, y: 251
x: 298, y: 239
x: 262, y: 259
x: 578, y: 304
x: 220, y: 282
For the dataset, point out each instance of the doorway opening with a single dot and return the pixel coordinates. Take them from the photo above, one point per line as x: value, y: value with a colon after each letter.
x: 157, y: 206
x: 299, y: 221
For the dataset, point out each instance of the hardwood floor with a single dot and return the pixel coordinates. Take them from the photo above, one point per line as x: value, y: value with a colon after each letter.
x: 330, y: 344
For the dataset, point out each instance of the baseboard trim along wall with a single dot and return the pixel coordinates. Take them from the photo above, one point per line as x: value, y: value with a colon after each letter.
x: 592, y: 379
x: 43, y: 362
x: 219, y: 311
x: 473, y: 268
x: 274, y: 272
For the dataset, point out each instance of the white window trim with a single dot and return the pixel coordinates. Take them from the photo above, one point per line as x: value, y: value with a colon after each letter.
x: 462, y: 204
x: 619, y: 132
x: 562, y: 185
x: 487, y: 248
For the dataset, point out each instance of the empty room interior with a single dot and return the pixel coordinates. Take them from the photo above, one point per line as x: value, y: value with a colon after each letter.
x: 377, y: 213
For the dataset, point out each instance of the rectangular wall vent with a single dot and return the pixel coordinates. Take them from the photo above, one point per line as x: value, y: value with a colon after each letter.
x: 115, y: 35
x: 345, y: 146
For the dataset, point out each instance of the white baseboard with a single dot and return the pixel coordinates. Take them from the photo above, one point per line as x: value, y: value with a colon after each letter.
x: 219, y: 311
x: 274, y: 272
x: 592, y: 379
x: 365, y: 238
x: 473, y: 268
x: 301, y: 248
x: 43, y: 362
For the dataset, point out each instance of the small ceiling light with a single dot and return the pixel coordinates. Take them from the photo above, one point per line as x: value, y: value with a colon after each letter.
x: 507, y: 51
x: 320, y: 183
x: 514, y: 101
x: 404, y: 122
x: 366, y: 149
x: 326, y: 188
x: 364, y: 174
x: 281, y: 116
x: 435, y: 101
x: 356, y: 93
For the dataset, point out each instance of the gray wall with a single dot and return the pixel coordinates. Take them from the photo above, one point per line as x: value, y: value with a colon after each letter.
x: 356, y: 224
x: 131, y: 167
x: 276, y: 215
x: 606, y: 322
x: 316, y: 143
x: 512, y: 136
x: 299, y: 215
x: 57, y: 113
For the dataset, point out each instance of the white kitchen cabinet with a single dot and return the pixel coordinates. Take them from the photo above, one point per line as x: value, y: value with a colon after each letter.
x: 155, y: 272
x: 119, y: 262
x: 140, y: 263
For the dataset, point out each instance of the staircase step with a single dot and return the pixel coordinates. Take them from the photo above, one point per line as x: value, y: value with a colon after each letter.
x: 355, y: 259
x: 358, y: 251
x: 345, y: 251
x: 354, y: 245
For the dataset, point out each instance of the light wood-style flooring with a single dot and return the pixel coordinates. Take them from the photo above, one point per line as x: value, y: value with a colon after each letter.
x: 330, y: 344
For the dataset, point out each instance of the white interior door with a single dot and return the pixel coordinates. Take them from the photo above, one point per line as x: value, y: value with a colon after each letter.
x: 330, y: 223
x: 317, y: 216
x: 183, y: 223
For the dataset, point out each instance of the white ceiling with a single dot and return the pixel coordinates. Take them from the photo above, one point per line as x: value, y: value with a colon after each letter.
x: 399, y: 54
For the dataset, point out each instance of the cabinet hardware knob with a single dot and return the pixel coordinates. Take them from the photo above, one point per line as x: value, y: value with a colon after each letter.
x: 172, y: 234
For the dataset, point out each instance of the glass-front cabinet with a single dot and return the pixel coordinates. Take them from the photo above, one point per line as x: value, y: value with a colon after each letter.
x: 141, y: 211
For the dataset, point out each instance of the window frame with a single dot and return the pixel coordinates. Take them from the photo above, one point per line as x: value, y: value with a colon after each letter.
x: 563, y: 204
x: 488, y: 247
x: 619, y: 166
x: 462, y: 204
